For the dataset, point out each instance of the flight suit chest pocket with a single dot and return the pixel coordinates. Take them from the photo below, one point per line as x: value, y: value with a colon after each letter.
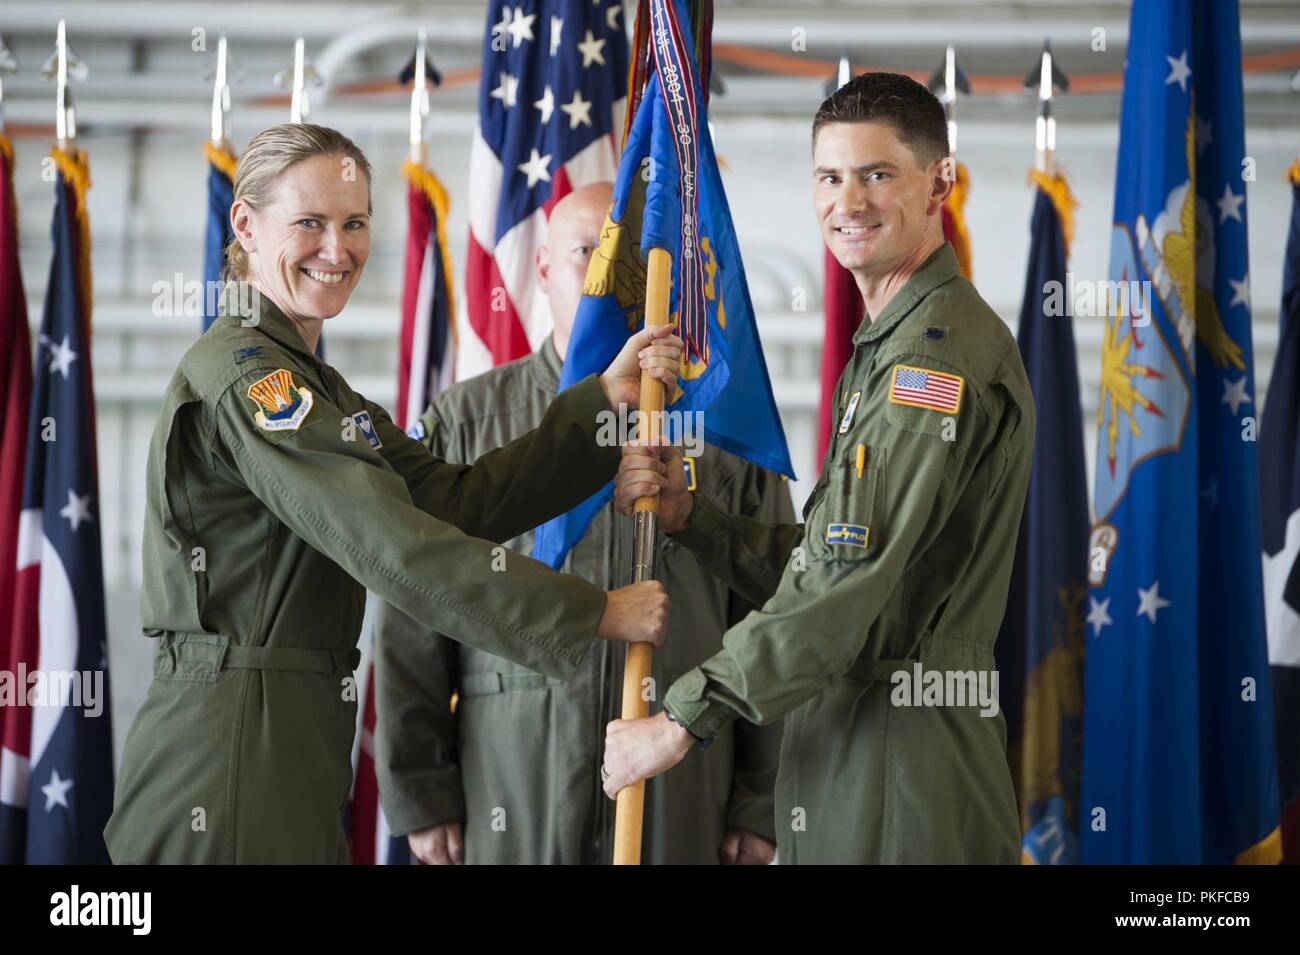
x: 846, y: 523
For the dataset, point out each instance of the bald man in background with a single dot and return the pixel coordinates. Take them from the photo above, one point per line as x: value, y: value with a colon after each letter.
x: 511, y: 774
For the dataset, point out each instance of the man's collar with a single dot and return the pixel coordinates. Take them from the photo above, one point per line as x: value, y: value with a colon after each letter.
x: 939, y: 268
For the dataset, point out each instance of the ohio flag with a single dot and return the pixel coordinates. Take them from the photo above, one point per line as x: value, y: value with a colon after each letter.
x: 56, y: 760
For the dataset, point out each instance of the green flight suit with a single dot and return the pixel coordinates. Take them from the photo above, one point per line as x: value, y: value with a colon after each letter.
x: 908, y: 562
x: 518, y: 761
x: 276, y: 496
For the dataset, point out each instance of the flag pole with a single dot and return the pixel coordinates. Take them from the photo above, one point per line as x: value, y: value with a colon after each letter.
x: 65, y: 123
x: 297, y: 77
x: 419, y: 100
x: 8, y: 65
x: 1046, y: 78
x: 631, y: 799
x: 220, y: 131
x: 947, y: 83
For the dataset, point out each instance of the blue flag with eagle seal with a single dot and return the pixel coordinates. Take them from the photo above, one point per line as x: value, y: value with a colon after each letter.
x: 1178, y: 762
x: 668, y: 195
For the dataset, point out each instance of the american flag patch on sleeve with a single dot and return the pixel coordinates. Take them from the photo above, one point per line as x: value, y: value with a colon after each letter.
x: 925, y: 388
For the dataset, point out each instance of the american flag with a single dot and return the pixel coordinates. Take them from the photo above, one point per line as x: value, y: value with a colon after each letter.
x: 925, y: 388
x: 56, y: 765
x: 553, y: 85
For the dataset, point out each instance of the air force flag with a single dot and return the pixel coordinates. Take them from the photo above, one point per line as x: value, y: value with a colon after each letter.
x: 1178, y: 763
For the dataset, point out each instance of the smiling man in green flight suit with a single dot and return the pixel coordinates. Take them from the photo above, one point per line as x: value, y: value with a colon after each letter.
x: 513, y: 774
x: 904, y: 556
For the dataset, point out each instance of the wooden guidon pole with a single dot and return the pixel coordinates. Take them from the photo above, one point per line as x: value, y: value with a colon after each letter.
x: 631, y: 800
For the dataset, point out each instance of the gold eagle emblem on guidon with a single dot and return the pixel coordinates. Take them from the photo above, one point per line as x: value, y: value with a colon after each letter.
x: 617, y: 268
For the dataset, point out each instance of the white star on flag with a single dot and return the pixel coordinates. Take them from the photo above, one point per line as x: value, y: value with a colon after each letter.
x: 521, y: 28
x: 1179, y: 71
x: 77, y: 509
x: 1150, y: 602
x: 547, y: 105
x: 1240, y: 291
x: 61, y: 357
x: 611, y: 14
x: 1229, y: 204
x: 1098, y: 614
x: 508, y: 91
x: 1234, y: 394
x: 56, y: 791
x: 578, y: 110
x: 591, y: 48
x: 557, y: 27
x: 536, y: 168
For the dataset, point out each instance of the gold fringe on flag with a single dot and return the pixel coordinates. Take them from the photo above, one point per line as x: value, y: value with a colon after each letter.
x: 428, y: 183
x: 1058, y: 190
x: 1293, y: 173
x: 76, y: 173
x: 7, y: 157
x: 1268, y: 851
x: 956, y: 206
x: 222, y: 158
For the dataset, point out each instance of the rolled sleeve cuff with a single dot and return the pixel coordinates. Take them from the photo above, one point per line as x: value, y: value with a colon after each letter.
x: 425, y: 800
x: 705, y: 525
x: 754, y: 815
x: 701, y: 717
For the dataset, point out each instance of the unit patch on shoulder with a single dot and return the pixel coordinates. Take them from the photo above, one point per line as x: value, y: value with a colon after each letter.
x: 847, y: 420
x: 854, y: 535
x: 281, y: 403
x: 417, y: 431
x: 925, y: 388
x: 367, y: 429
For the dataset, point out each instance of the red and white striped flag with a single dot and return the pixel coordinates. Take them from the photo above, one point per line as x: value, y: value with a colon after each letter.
x: 553, y: 85
x: 427, y: 350
x: 16, y: 394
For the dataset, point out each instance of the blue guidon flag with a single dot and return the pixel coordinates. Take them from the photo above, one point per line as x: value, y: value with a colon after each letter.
x: 56, y: 765
x: 1279, y: 474
x: 218, y: 233
x: 1178, y: 759
x: 669, y: 195
x: 1041, y: 644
